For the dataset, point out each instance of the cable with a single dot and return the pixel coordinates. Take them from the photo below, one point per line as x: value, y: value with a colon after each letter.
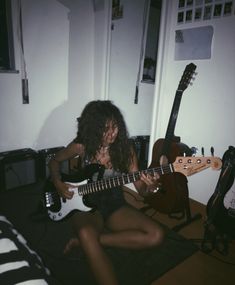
x: 200, y: 240
x: 219, y: 259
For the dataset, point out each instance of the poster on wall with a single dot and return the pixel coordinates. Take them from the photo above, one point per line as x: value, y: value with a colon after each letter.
x: 203, y: 10
x: 187, y: 45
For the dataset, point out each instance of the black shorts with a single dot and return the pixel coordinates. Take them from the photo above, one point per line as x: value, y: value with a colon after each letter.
x: 107, y: 201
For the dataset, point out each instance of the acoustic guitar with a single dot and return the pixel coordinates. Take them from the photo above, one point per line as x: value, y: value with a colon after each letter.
x: 174, y: 189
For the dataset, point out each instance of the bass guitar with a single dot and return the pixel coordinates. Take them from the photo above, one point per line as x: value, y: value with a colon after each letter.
x: 173, y: 196
x: 59, y: 208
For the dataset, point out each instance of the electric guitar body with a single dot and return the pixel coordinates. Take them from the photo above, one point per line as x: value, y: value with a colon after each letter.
x: 173, y: 194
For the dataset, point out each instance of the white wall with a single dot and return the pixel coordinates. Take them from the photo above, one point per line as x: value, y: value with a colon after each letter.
x: 66, y: 52
x: 66, y: 47
x: 58, y: 44
x: 125, y: 60
x: 206, y: 117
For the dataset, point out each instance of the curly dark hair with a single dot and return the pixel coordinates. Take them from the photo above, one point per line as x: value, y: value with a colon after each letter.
x: 91, y: 126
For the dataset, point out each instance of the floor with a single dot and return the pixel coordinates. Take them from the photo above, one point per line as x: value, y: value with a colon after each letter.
x: 201, y: 268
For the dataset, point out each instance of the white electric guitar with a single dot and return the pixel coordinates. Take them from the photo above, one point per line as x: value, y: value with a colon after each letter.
x: 58, y: 208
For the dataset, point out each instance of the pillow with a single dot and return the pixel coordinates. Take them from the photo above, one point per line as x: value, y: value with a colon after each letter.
x: 19, y: 264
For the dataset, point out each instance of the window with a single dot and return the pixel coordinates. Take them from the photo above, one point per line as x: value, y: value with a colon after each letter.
x: 151, y: 48
x: 7, y: 60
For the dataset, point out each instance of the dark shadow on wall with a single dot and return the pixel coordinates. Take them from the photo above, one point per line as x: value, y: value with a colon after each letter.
x: 52, y: 136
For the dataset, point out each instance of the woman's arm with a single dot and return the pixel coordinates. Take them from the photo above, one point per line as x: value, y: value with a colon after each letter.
x: 147, y: 183
x: 72, y: 150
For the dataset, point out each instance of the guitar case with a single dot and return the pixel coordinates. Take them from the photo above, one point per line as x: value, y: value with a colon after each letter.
x: 220, y: 223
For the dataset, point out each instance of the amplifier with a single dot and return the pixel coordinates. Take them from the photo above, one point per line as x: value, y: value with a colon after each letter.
x: 141, y: 144
x: 44, y: 156
x: 17, y: 168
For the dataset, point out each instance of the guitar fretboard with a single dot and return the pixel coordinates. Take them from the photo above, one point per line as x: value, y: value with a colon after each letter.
x: 121, y: 180
x: 172, y: 122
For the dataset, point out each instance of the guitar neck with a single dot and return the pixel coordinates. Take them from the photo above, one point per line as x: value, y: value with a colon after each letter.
x: 121, y: 180
x: 183, y: 84
x: 172, y: 122
x: 182, y: 164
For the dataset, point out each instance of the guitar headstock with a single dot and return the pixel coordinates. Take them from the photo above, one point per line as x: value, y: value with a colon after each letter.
x: 189, y: 165
x: 187, y: 76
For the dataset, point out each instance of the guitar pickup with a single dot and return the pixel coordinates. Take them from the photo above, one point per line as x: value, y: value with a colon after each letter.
x: 48, y: 200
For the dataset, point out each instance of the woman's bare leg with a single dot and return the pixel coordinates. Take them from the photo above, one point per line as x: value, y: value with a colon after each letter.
x: 73, y: 242
x: 131, y: 229
x: 88, y: 228
x: 99, y: 262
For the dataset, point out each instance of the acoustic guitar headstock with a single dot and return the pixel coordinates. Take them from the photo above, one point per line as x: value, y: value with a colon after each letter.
x: 189, y: 165
x: 187, y: 76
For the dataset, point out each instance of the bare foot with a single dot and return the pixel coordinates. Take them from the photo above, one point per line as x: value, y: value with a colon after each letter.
x: 73, y: 242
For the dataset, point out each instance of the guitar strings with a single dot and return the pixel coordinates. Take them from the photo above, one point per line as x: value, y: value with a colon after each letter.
x: 120, y: 180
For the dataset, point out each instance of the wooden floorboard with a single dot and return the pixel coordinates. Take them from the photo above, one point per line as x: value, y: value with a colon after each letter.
x: 200, y: 268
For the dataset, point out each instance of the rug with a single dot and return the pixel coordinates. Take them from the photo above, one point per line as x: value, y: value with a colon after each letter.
x: 21, y: 206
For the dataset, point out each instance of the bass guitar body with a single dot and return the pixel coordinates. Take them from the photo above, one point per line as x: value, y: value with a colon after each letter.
x: 173, y: 193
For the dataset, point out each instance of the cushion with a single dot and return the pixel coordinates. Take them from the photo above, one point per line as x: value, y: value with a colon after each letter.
x: 19, y: 264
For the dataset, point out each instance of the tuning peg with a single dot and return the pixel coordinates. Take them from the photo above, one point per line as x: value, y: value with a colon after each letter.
x: 212, y: 151
x: 193, y: 78
x: 194, y: 150
x: 202, y: 150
